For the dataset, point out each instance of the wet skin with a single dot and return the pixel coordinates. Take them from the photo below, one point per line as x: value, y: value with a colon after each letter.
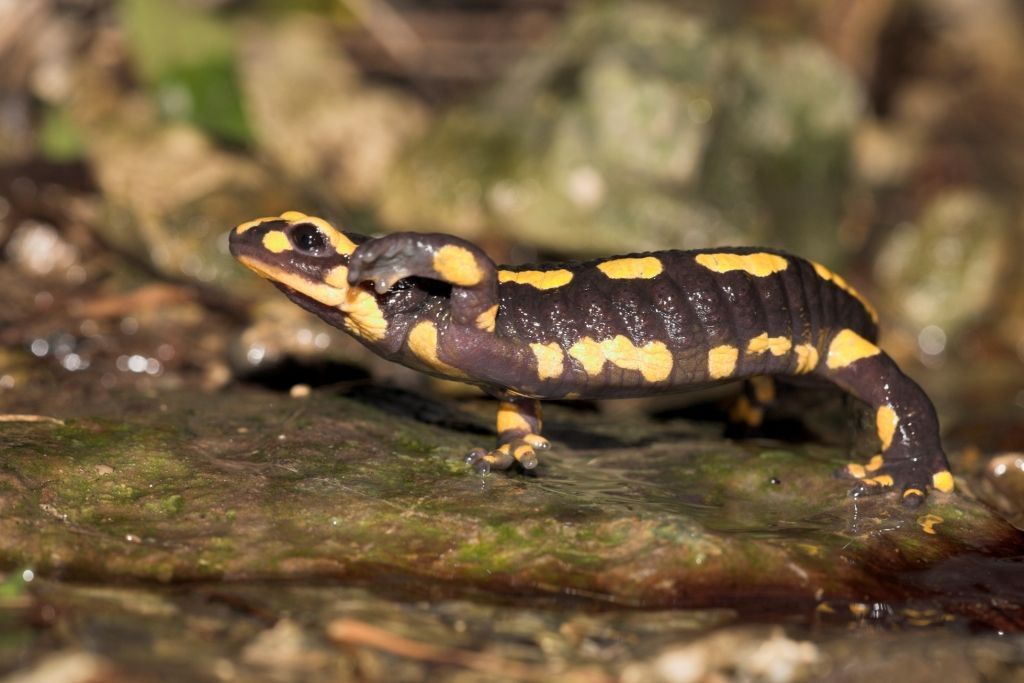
x: 619, y: 327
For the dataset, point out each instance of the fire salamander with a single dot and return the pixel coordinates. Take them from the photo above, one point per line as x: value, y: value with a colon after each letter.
x: 618, y: 327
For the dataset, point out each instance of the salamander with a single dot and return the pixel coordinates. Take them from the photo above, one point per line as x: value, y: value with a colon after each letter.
x: 616, y: 327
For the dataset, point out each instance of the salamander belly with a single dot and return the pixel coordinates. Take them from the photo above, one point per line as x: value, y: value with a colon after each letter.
x: 670, y: 320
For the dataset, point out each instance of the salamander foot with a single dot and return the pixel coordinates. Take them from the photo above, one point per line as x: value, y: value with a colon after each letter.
x: 523, y: 451
x: 911, y: 478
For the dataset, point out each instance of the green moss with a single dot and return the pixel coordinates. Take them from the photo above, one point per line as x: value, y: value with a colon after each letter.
x: 167, y: 506
x: 410, y: 444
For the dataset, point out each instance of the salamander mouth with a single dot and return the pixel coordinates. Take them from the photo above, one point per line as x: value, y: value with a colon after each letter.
x: 318, y: 291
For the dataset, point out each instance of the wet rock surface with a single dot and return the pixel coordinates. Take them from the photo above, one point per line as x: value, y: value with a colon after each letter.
x: 294, y: 526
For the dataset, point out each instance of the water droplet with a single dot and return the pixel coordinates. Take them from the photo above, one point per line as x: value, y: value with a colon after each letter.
x: 255, y: 354
x: 932, y: 340
x: 40, y: 347
x: 28, y: 575
x: 137, y: 363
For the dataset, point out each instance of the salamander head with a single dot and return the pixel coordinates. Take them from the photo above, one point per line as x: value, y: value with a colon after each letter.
x: 306, y: 257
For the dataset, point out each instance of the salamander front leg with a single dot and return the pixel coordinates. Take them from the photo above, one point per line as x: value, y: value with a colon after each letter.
x: 519, y: 437
x: 911, y: 459
x: 472, y: 275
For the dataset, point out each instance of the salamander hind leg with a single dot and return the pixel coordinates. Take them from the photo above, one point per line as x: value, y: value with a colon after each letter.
x: 911, y: 460
x: 519, y: 437
x: 746, y: 414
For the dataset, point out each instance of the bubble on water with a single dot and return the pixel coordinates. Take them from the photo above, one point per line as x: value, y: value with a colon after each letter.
x: 256, y: 354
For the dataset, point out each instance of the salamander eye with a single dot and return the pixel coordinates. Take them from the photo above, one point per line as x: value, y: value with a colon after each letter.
x: 308, y: 239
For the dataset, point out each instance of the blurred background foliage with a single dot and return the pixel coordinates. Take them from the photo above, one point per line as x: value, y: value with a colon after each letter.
x: 883, y: 138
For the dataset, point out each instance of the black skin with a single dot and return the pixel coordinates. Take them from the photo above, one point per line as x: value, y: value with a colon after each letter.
x: 686, y: 306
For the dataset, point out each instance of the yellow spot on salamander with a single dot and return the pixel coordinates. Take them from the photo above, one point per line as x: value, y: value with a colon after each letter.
x: 778, y: 346
x: 653, y: 360
x: 511, y: 420
x: 826, y: 274
x: 880, y: 480
x: 549, y: 360
x: 364, y: 316
x: 928, y: 523
x: 589, y: 354
x: 806, y: 358
x: 943, y: 481
x: 722, y: 361
x: 338, y: 277
x: 621, y: 352
x: 856, y: 470
x: 886, y: 420
x: 457, y: 265
x: 849, y: 347
x: 276, y: 241
x: 760, y: 264
x: 875, y: 463
x: 643, y: 268
x: 486, y: 320
x: 745, y: 412
x: 913, y: 492
x: 248, y: 225
x: 541, y: 279
x: 422, y: 341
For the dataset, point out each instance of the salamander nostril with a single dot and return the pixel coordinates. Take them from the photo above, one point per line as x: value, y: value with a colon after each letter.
x: 307, y: 238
